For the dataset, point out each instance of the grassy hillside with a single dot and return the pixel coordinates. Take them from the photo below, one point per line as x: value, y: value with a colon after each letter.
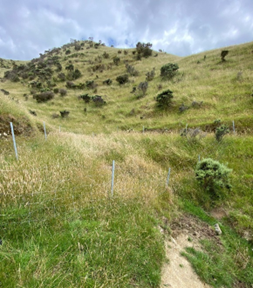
x: 62, y: 224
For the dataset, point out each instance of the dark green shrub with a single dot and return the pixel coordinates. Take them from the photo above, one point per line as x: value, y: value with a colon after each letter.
x: 107, y: 82
x: 116, y: 60
x: 98, y: 100
x: 164, y: 99
x: 223, y: 54
x: 90, y: 84
x: 106, y: 55
x: 143, y: 50
x: 221, y: 131
x: 70, y: 67
x: 86, y: 98
x: 169, y: 70
x: 70, y: 85
x: 67, y: 52
x: 213, y: 177
x: 61, y: 77
x: 56, y: 90
x: 122, y: 79
x: 76, y: 74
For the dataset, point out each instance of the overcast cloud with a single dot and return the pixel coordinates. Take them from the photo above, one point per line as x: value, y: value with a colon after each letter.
x: 180, y: 27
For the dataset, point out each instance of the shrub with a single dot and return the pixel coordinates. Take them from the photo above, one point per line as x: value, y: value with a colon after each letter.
x: 86, y: 98
x: 122, y: 79
x: 220, y: 132
x: 150, y: 75
x: 64, y: 113
x: 131, y: 70
x: 61, y: 77
x: 67, y: 52
x: 142, y: 87
x: 70, y: 67
x: 169, y: 70
x: 116, y: 60
x: 213, y: 177
x: 106, y: 55
x: 107, y: 82
x: 56, y: 90
x: 76, y: 74
x: 164, y: 99
x: 90, y: 84
x: 98, y: 100
x: 223, y: 54
x: 44, y: 96
x: 143, y: 50
x: 63, y: 92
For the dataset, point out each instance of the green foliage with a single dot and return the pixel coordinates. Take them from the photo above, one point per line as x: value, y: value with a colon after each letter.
x: 169, y: 70
x: 122, y: 79
x: 223, y: 54
x: 213, y: 177
x: 143, y: 50
x: 220, y: 132
x: 70, y: 67
x: 63, y: 92
x: 107, y: 81
x: 98, y: 100
x: 116, y: 60
x: 164, y: 98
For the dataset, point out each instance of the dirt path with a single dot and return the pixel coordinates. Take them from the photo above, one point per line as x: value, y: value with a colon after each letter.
x: 178, y: 273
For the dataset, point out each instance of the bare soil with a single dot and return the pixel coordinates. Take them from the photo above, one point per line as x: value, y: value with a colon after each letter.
x: 185, y: 232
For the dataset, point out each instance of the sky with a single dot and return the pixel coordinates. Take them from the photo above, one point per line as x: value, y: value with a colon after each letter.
x: 179, y: 27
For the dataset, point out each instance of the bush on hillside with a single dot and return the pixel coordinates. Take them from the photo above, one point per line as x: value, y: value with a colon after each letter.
x: 150, y: 75
x: 61, y: 77
x: 116, y: 60
x: 143, y: 50
x: 107, y: 81
x: 220, y: 132
x: 223, y: 54
x: 98, y: 100
x: 63, y: 92
x: 213, y: 177
x: 164, y: 98
x: 169, y: 70
x: 142, y: 87
x: 122, y: 79
x: 131, y: 70
x: 86, y: 98
x: 44, y: 96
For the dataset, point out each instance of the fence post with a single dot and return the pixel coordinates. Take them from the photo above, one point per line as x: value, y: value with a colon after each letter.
x: 234, y: 126
x: 168, y: 178
x: 45, y: 132
x: 14, y: 141
x: 113, y: 169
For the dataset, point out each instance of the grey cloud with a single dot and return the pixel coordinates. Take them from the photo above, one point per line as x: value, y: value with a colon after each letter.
x: 181, y: 27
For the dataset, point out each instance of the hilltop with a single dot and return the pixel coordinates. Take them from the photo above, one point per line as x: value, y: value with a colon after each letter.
x: 63, y: 222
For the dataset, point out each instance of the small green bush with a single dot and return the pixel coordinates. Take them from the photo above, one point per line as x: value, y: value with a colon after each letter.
x: 213, y: 177
x: 220, y: 132
x: 164, y: 99
x: 116, y: 60
x: 143, y: 50
x: 122, y: 79
x: 169, y: 70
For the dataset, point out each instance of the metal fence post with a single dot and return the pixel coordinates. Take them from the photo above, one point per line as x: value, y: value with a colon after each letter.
x: 168, y: 178
x: 14, y: 141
